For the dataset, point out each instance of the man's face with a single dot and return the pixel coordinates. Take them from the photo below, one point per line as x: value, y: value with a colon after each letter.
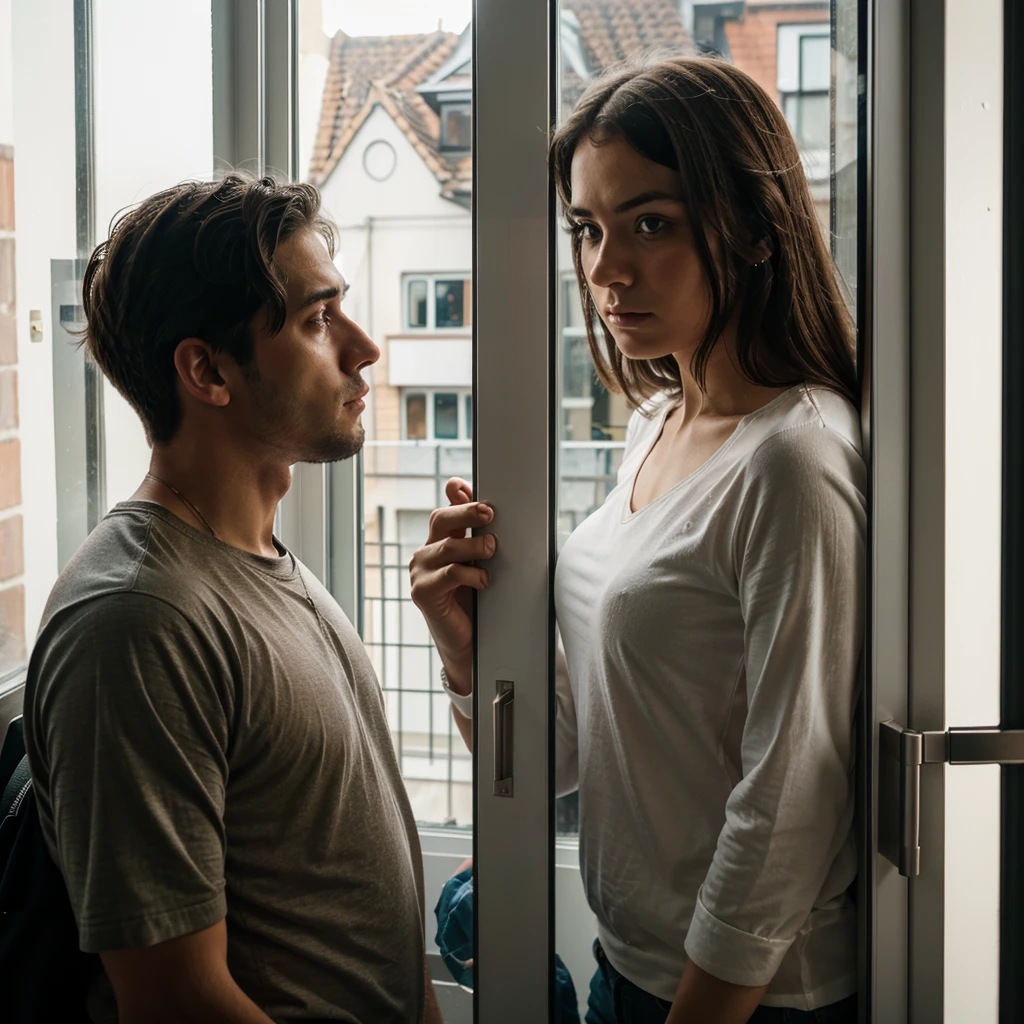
x: 305, y: 389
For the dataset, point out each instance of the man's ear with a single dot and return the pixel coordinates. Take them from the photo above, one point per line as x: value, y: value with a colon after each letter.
x: 196, y: 364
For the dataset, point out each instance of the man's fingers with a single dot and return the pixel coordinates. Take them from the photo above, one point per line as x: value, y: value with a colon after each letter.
x: 429, y: 588
x: 458, y: 491
x: 454, y: 549
x: 456, y: 519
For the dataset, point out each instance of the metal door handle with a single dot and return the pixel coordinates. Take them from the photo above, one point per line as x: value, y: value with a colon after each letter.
x: 901, y: 754
x: 503, y: 736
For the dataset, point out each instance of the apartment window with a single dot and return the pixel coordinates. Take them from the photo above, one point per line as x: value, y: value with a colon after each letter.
x: 438, y: 303
x: 456, y: 126
x: 437, y: 415
x: 804, y: 72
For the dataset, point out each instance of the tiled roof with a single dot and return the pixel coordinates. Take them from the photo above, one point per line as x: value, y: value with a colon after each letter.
x: 385, y: 70
x: 367, y: 70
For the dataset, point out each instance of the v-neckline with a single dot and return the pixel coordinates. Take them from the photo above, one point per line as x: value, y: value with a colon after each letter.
x: 630, y: 513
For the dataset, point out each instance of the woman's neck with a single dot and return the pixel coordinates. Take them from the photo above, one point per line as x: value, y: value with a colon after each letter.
x: 727, y: 394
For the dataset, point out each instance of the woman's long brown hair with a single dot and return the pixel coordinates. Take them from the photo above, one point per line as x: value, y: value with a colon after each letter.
x: 743, y: 180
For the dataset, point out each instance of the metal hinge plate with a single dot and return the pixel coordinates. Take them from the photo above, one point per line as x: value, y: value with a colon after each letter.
x: 902, y: 752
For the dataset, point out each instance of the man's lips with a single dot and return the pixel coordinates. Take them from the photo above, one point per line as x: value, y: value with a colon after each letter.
x: 359, y: 398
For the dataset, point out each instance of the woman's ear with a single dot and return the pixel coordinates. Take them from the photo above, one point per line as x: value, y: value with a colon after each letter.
x: 762, y: 253
x: 196, y: 364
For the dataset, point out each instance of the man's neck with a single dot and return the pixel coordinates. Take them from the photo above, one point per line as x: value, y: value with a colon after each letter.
x: 218, y: 490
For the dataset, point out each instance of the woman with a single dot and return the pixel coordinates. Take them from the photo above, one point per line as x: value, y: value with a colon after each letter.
x: 711, y: 609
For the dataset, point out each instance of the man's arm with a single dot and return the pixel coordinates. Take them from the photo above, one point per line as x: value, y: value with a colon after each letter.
x: 182, y: 979
x: 433, y: 1011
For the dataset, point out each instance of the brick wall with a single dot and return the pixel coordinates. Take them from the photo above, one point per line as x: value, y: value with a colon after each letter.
x: 12, y: 554
x: 753, y: 39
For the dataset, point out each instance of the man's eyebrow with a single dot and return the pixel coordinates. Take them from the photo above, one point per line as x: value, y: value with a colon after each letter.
x: 320, y: 295
x: 629, y: 204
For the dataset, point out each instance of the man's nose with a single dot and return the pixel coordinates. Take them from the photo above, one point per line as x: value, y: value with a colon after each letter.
x: 360, y: 350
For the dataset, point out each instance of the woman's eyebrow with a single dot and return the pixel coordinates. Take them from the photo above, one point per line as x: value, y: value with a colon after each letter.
x: 629, y: 204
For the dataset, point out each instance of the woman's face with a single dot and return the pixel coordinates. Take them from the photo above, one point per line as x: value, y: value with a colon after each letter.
x: 637, y: 251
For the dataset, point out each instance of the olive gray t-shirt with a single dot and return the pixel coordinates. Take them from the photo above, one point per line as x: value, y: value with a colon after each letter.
x: 208, y: 740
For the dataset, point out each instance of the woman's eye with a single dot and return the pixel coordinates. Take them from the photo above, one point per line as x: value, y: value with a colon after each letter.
x: 589, y: 232
x: 320, y: 320
x: 650, y: 225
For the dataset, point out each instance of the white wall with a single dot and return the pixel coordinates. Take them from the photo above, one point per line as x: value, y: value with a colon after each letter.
x: 390, y: 228
x: 6, y: 80
x: 974, y: 344
x: 154, y: 128
x: 42, y: 65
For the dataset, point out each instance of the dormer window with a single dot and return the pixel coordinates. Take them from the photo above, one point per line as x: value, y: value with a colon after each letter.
x: 456, y: 126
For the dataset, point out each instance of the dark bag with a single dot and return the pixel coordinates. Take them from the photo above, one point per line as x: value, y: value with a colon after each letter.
x: 44, y: 976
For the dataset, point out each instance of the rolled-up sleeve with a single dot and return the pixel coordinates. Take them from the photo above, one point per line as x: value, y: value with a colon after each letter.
x: 799, y: 547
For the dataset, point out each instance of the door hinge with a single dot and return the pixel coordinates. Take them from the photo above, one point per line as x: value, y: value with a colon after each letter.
x: 902, y: 752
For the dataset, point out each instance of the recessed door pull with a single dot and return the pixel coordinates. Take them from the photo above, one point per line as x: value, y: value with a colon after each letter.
x: 901, y: 754
x: 504, y: 712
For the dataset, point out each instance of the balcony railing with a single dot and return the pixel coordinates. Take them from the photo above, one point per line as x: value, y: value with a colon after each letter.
x: 403, y: 477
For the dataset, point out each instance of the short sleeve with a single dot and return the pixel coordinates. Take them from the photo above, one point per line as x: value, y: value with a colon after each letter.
x: 128, y: 736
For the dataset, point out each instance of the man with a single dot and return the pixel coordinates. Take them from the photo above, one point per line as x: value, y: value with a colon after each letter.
x: 215, y: 775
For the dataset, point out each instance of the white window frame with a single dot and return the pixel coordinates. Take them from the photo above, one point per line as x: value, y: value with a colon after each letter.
x: 789, y: 77
x: 910, y: 140
x: 464, y: 424
x: 432, y: 278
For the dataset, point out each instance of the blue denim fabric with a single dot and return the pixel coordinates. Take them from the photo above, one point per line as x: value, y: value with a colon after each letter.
x: 615, y: 1000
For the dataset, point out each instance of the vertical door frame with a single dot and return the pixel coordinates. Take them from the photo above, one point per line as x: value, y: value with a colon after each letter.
x: 905, y: 318
x: 1011, y: 937
x: 513, y: 466
x: 926, y: 683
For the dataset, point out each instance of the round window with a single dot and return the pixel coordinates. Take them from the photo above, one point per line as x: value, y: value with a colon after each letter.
x: 379, y: 159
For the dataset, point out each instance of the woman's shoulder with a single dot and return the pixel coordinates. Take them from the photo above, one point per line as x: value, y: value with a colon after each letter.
x: 805, y: 436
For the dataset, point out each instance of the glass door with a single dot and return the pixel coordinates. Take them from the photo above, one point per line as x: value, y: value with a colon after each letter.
x: 807, y: 57
x: 383, y: 128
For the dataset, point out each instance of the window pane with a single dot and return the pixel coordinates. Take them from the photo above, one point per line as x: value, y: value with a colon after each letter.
x: 448, y: 306
x: 786, y: 48
x: 69, y: 445
x: 400, y: 269
x: 469, y: 416
x: 417, y: 303
x: 572, y: 307
x: 815, y: 58
x: 416, y: 417
x: 457, y: 127
x: 812, y: 121
x: 446, y: 417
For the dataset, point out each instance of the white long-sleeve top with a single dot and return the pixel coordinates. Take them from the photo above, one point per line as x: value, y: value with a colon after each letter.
x: 712, y: 641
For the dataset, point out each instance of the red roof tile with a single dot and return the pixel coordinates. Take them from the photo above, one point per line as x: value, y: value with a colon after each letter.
x: 385, y: 70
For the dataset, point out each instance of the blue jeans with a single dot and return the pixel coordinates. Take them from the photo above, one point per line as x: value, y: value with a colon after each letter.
x: 614, y: 1000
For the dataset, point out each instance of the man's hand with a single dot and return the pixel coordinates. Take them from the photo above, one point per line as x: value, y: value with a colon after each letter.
x: 182, y: 979
x: 443, y: 576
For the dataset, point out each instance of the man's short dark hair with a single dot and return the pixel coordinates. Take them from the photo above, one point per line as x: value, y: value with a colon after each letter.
x: 196, y: 260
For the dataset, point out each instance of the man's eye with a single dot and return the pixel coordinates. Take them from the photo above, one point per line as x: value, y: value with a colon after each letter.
x: 320, y: 320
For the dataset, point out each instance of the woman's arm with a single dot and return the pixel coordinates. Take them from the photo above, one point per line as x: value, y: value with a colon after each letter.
x: 799, y: 552
x: 703, y: 997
